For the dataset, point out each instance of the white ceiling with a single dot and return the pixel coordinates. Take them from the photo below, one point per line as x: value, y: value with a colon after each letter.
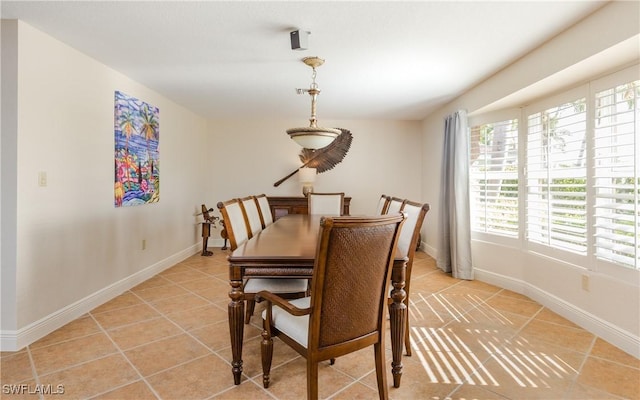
x: 233, y: 59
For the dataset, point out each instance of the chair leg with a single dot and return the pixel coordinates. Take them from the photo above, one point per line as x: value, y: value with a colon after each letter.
x: 407, y: 328
x: 251, y: 306
x: 381, y: 372
x: 266, y: 347
x: 407, y: 334
x: 312, y: 379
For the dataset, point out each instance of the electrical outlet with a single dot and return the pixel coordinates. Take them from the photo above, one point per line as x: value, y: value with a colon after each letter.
x: 585, y: 283
x: 144, y: 244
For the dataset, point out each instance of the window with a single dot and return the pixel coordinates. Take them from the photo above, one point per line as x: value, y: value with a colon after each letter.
x: 493, y: 176
x: 557, y: 177
x: 616, y: 174
x: 573, y: 160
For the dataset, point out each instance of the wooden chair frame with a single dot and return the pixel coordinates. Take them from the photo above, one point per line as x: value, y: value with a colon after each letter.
x: 411, y: 251
x: 313, y: 195
x: 263, y: 208
x: 233, y: 229
x: 383, y: 204
x: 392, y: 204
x: 251, y: 215
x: 324, y: 342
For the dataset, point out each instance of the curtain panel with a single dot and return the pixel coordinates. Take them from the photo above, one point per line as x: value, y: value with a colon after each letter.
x: 454, y: 249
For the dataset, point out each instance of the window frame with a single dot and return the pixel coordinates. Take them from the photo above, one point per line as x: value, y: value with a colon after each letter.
x: 621, y: 77
x: 587, y: 90
x: 494, y: 117
x: 567, y: 96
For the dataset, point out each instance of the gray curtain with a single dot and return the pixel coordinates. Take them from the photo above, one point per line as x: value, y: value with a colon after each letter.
x: 454, y: 251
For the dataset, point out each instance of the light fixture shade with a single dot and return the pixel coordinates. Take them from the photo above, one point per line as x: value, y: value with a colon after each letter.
x: 307, y: 175
x: 313, y: 137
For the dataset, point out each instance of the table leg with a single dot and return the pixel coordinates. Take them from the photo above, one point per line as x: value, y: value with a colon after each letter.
x: 397, y: 317
x: 236, y: 327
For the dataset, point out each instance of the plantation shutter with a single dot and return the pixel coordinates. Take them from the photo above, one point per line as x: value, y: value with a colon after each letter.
x: 494, y: 178
x: 616, y: 174
x: 556, y: 177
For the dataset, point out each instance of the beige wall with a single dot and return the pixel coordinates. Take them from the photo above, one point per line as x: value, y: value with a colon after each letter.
x: 73, y: 249
x: 248, y: 157
x: 611, y: 308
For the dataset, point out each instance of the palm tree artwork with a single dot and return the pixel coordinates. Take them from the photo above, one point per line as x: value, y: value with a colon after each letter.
x: 137, y: 166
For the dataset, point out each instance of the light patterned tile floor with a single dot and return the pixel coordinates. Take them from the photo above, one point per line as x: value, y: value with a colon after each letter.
x: 168, y: 338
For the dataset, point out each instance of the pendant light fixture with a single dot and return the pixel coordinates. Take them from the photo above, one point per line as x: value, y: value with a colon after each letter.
x: 313, y: 136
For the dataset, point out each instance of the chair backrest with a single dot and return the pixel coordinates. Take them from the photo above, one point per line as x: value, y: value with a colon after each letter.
x: 395, y: 204
x: 252, y: 216
x: 265, y: 211
x: 350, y: 284
x: 234, y: 222
x: 383, y: 204
x: 325, y: 203
x: 408, y: 240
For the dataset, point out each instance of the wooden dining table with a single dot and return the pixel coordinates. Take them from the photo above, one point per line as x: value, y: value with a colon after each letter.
x: 287, y: 248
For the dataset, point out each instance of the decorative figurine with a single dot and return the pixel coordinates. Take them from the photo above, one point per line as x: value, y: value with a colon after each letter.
x: 206, y: 228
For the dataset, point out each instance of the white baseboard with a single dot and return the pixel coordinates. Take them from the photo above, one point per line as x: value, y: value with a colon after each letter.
x: 17, y: 339
x: 618, y: 337
x: 430, y: 250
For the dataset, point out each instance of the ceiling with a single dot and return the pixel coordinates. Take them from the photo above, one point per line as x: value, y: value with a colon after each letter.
x: 233, y: 59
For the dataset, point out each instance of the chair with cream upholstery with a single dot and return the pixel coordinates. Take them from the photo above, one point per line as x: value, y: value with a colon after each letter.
x: 325, y: 203
x: 250, y: 209
x: 407, y: 246
x: 342, y: 315
x: 234, y: 222
x: 265, y: 211
x: 236, y: 227
x: 395, y: 204
x: 383, y: 204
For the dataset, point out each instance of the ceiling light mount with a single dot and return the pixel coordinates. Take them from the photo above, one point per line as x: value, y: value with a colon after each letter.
x: 313, y: 136
x: 299, y: 39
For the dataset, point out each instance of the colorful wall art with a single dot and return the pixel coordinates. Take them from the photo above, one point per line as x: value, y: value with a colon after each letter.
x: 137, y: 166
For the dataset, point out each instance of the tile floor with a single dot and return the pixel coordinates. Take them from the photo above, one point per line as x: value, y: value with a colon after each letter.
x: 168, y: 338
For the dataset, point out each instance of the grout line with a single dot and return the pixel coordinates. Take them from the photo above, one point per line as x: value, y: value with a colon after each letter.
x: 184, y: 331
x: 106, y: 333
x: 34, y: 371
x: 53, y: 371
x: 209, y: 302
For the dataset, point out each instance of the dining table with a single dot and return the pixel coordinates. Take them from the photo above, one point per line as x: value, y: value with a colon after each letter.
x: 287, y: 248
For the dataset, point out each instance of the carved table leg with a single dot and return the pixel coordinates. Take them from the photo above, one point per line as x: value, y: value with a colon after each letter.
x: 398, y: 317
x: 236, y: 325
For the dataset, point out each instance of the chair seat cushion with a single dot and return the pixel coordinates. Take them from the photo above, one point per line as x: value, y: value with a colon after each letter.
x: 297, y: 328
x: 276, y: 285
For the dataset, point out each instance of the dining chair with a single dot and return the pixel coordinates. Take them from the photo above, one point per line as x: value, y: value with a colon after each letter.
x: 252, y: 215
x: 237, y: 232
x: 407, y: 246
x: 265, y: 211
x: 395, y: 204
x: 325, y: 203
x: 234, y: 222
x: 342, y: 315
x: 383, y: 204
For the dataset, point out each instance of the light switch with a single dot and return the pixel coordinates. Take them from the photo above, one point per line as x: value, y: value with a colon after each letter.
x: 42, y: 178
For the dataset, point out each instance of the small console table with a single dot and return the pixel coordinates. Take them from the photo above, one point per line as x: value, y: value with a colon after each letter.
x: 296, y: 205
